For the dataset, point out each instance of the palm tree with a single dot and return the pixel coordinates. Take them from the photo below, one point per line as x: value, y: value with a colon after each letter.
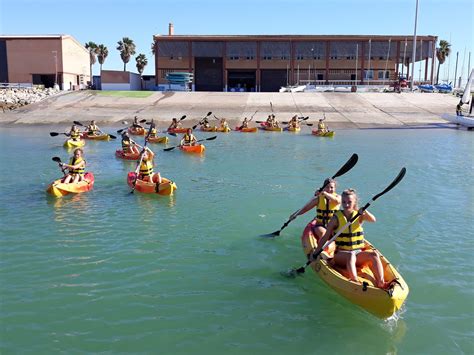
x: 102, y: 53
x: 127, y: 49
x: 141, y: 64
x: 92, y: 48
x: 153, y: 48
x: 442, y: 52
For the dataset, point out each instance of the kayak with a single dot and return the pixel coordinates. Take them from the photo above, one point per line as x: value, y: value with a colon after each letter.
x: 70, y: 143
x: 137, y: 131
x: 127, y: 156
x: 209, y: 129
x: 96, y: 137
x: 247, y: 129
x: 294, y: 129
x: 223, y: 130
x: 198, y: 148
x: 59, y: 189
x: 382, y: 303
x: 177, y: 130
x: 165, y: 188
x: 326, y: 134
x: 163, y: 140
x: 272, y: 129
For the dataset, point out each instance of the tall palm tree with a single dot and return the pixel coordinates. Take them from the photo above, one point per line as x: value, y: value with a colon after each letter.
x: 153, y: 49
x: 92, y: 48
x: 102, y: 53
x: 127, y: 49
x: 141, y: 64
x: 442, y: 52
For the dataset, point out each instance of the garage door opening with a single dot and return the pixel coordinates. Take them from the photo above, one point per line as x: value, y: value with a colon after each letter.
x: 241, y: 81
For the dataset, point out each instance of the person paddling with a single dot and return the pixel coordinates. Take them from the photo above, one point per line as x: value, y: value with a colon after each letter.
x: 245, y: 123
x: 76, y: 167
x: 145, y: 169
x: 321, y: 126
x: 174, y: 124
x: 349, y: 251
x: 189, y: 138
x: 128, y: 145
x: 74, y: 133
x: 224, y: 124
x: 327, y: 202
x: 294, y: 122
x: 135, y: 123
x: 92, y: 129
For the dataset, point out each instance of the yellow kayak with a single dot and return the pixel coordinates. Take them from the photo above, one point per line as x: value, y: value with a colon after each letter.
x: 325, y: 134
x: 294, y: 129
x: 382, y: 303
x: 223, y: 130
x: 162, y: 140
x: 70, y: 143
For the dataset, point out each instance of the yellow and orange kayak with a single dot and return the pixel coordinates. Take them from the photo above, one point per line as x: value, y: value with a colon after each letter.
x: 223, y: 130
x: 165, y: 188
x: 71, y: 143
x: 209, y: 129
x: 325, y: 134
x: 137, y: 131
x: 96, y: 137
x: 58, y: 189
x: 294, y: 129
x: 198, y: 148
x: 381, y: 302
x: 162, y: 140
x: 272, y: 129
x: 247, y: 129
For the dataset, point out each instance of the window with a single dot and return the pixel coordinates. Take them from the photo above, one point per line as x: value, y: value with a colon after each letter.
x: 250, y: 57
x: 234, y: 57
x: 267, y: 57
x: 368, y: 74
x: 299, y: 57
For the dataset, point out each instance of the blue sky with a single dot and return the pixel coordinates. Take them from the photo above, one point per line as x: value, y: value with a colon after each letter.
x: 107, y: 21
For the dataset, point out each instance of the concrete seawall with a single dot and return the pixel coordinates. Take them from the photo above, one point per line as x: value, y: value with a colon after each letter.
x: 353, y: 110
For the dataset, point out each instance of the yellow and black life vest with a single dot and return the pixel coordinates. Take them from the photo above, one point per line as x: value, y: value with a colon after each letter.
x: 352, y: 237
x: 188, y: 138
x: 75, y: 134
x: 146, y: 168
x: 325, y: 209
x: 92, y: 129
x: 74, y: 161
x: 321, y: 126
x: 126, y: 144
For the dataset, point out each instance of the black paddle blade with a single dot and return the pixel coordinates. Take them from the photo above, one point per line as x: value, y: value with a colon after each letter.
x: 111, y: 136
x: 347, y: 166
x: 56, y: 159
x: 142, y: 121
x: 309, y: 124
x: 119, y: 131
x: 300, y: 270
x: 394, y: 183
x: 172, y: 134
x: 53, y: 134
x: 271, y: 235
x: 284, y: 122
x: 168, y: 149
x: 211, y: 138
x: 78, y: 123
x: 259, y: 121
x: 209, y: 113
x: 182, y: 118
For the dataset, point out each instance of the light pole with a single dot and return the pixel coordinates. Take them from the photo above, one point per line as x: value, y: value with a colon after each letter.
x: 314, y: 69
x: 414, y: 51
x: 55, y: 53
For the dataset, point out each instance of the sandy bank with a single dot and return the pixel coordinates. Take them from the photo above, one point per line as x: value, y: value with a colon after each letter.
x: 352, y: 110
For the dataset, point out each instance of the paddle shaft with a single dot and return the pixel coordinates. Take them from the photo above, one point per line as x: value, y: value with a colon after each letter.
x: 141, y: 159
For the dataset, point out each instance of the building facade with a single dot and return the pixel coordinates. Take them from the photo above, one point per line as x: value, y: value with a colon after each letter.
x: 266, y: 63
x: 44, y: 60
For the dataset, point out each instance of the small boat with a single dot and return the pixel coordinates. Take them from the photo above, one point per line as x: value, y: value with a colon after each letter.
x: 325, y: 134
x: 382, y: 303
x: 444, y: 88
x: 426, y: 88
x: 137, y: 131
x: 293, y: 129
x: 223, y: 130
x: 71, y: 143
x: 58, y: 189
x: 165, y: 188
x: 162, y: 140
x: 198, y: 148
x: 177, y: 130
x: 209, y: 129
x: 272, y: 129
x: 95, y: 137
x: 247, y: 129
x: 466, y: 121
x: 119, y: 153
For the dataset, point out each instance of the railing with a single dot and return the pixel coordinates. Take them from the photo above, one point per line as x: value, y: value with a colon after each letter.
x: 16, y: 85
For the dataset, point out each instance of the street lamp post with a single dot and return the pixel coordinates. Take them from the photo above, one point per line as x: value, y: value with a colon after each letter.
x: 314, y: 69
x: 414, y: 51
x: 55, y: 53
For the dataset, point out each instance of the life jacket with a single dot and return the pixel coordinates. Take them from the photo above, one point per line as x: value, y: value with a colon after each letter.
x: 187, y: 138
x: 126, y: 144
x: 73, y: 161
x: 146, y: 168
x: 321, y: 126
x: 75, y: 134
x: 153, y: 132
x: 352, y: 237
x: 91, y: 129
x: 325, y: 209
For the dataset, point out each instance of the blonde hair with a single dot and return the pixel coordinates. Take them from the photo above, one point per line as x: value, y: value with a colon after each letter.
x: 78, y: 150
x: 351, y: 192
x: 329, y: 181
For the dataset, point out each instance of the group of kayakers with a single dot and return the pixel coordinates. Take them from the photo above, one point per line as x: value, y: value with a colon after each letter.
x: 333, y: 211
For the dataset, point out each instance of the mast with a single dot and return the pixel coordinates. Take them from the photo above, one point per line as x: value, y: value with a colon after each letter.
x: 414, y: 50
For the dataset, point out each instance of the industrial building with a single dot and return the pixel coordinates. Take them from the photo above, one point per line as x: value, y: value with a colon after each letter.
x: 44, y: 60
x: 266, y: 63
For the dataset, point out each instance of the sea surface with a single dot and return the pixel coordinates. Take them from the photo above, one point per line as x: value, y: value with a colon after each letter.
x: 113, y: 272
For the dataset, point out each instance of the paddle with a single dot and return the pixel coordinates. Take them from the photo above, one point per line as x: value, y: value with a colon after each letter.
x: 344, y: 169
x: 58, y: 160
x: 201, y: 121
x: 142, y: 153
x: 394, y: 183
x: 200, y: 140
x: 54, y: 134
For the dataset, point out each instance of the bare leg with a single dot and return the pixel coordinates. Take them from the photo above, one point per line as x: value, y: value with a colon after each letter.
x: 376, y: 265
x: 349, y: 261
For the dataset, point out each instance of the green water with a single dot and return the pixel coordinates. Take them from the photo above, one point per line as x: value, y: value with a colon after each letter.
x: 109, y: 271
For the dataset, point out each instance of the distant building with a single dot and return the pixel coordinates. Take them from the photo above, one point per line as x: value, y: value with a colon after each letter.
x: 120, y: 80
x: 44, y: 60
x: 265, y: 63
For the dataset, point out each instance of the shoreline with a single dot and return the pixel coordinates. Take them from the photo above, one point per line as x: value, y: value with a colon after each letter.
x: 342, y: 110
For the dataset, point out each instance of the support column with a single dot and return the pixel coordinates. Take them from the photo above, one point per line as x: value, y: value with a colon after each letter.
x: 258, y: 74
x: 433, y: 55
x: 328, y: 47
x: 362, y: 62
x: 292, y: 66
x: 426, y: 68
x: 190, y: 61
x: 157, y: 74
x: 224, y: 65
x: 397, y: 62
